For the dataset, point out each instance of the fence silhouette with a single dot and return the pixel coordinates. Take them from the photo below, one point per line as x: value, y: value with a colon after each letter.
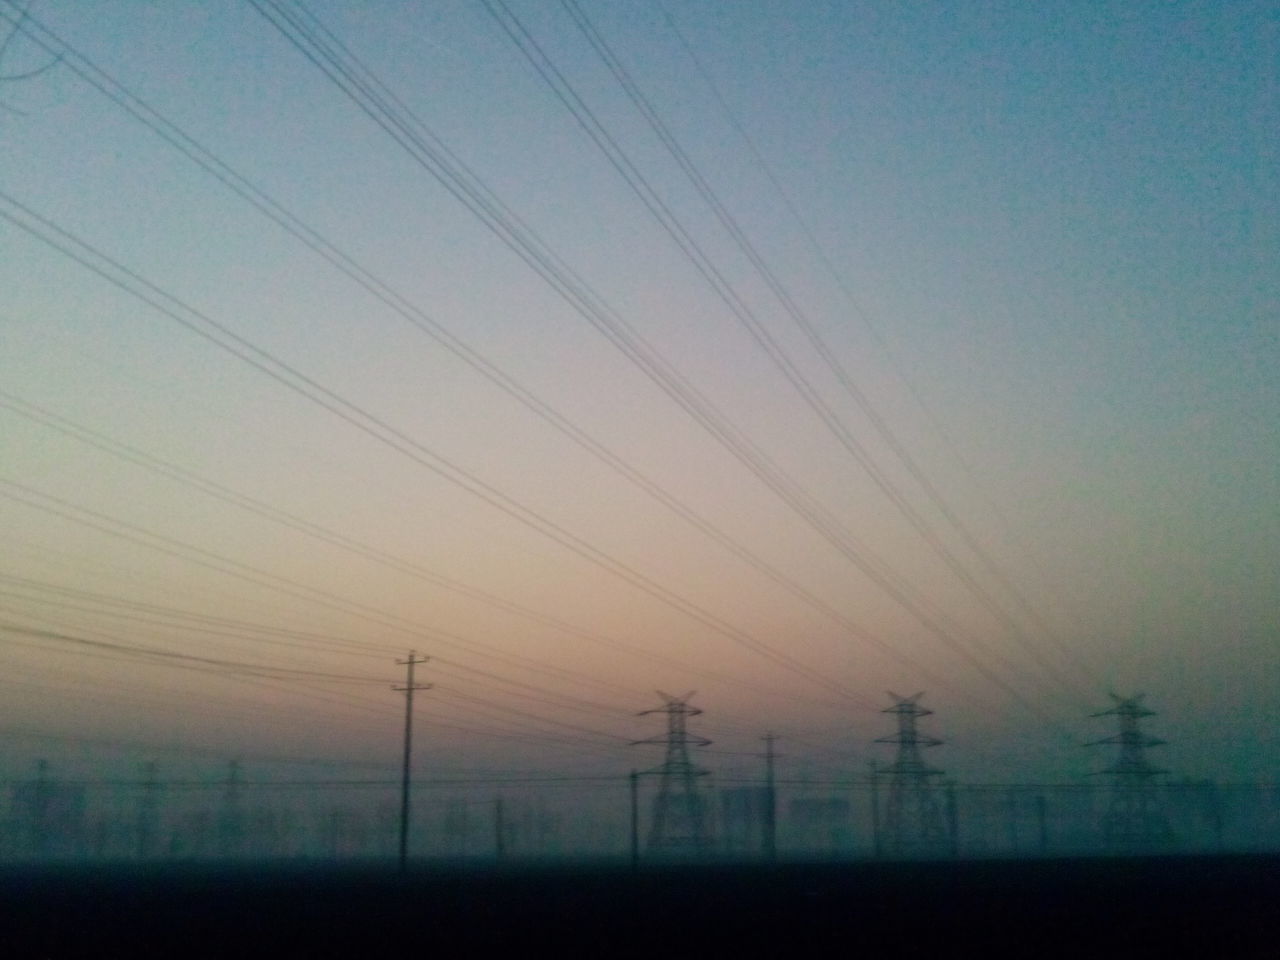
x: 51, y: 818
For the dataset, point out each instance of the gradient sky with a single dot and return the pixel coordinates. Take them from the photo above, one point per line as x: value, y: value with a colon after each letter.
x: 1040, y: 240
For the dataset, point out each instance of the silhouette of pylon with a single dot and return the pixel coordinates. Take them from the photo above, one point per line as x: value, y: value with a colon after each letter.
x: 913, y: 821
x: 1133, y: 819
x: 679, y: 824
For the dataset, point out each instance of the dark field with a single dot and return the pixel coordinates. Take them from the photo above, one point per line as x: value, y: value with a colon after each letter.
x: 1170, y: 906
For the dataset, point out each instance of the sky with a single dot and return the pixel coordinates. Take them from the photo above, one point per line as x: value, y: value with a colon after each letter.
x: 788, y: 354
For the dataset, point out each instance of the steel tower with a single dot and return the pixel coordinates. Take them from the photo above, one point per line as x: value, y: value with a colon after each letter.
x: 1133, y: 819
x: 679, y: 824
x: 913, y: 822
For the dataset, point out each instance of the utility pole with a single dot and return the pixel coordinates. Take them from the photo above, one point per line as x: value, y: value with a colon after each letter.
x: 770, y: 833
x: 147, y: 807
x: 41, y: 809
x: 877, y: 842
x: 408, y: 688
x: 1042, y: 822
x: 499, y: 830
x: 1011, y: 817
x: 953, y: 820
x: 634, y: 789
x: 231, y: 833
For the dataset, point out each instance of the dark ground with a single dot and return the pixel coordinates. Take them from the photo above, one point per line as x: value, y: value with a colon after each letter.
x: 1211, y: 907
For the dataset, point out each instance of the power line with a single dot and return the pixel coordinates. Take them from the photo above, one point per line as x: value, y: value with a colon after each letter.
x: 148, y: 116
x: 538, y: 694
x: 261, y: 578
x: 860, y: 398
x: 151, y: 118
x: 355, y: 80
x: 548, y: 697
x: 602, y: 735
x: 131, y: 454
x: 182, y: 705
x: 312, y: 643
x: 358, y: 83
x: 793, y: 373
x: 185, y: 660
x: 218, y: 334
x: 692, y: 250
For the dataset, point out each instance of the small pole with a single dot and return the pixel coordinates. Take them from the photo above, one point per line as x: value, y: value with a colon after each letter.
x: 499, y: 830
x: 147, y: 810
x: 875, y: 810
x: 408, y: 689
x: 634, y: 785
x: 770, y: 836
x: 1011, y: 812
x: 42, y: 835
x: 231, y: 832
x: 1215, y: 815
x: 953, y: 820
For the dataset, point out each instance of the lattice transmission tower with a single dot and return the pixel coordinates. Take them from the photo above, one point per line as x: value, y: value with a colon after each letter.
x: 913, y: 820
x: 679, y: 825
x: 1134, y: 819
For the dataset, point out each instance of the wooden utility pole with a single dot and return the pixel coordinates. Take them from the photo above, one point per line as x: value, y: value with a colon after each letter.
x: 408, y: 688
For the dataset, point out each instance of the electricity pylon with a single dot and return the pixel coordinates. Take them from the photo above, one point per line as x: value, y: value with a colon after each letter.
x: 679, y: 824
x: 1133, y: 819
x: 913, y: 822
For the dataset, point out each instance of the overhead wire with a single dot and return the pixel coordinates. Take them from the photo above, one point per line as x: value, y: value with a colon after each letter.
x: 217, y: 333
x: 564, y: 91
x: 181, y: 660
x: 381, y: 105
x: 602, y: 736
x: 168, y: 545
x: 863, y: 401
x: 147, y: 698
x: 802, y: 384
x: 310, y: 645
x: 188, y: 750
x: 445, y: 666
x: 354, y: 80
x: 97, y: 78
x: 96, y: 439
x: 436, y: 720
x: 465, y: 667
x: 465, y: 672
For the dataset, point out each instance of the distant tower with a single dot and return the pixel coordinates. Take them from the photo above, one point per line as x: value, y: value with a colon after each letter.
x: 1133, y: 819
x: 148, y: 807
x: 41, y: 803
x: 913, y: 821
x: 231, y: 817
x: 679, y: 823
